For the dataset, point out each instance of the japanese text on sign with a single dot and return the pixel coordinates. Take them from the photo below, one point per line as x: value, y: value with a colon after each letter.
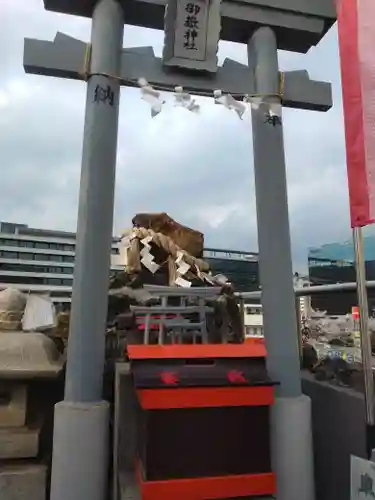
x: 191, y: 29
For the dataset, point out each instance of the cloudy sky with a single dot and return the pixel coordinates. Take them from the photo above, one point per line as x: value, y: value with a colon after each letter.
x: 197, y: 168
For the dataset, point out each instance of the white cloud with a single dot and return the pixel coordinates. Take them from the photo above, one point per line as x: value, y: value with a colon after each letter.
x: 196, y: 167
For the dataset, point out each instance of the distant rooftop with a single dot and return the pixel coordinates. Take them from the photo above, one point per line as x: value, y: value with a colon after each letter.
x: 24, y: 229
x: 225, y: 254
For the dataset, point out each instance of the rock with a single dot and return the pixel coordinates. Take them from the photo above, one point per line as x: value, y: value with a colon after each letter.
x: 349, y: 341
x: 344, y: 340
x: 337, y: 341
x: 187, y: 239
x: 336, y: 370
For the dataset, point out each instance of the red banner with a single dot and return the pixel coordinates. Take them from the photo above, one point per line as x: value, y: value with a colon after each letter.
x: 356, y: 24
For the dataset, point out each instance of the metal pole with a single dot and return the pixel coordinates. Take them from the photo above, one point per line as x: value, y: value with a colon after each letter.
x: 312, y: 290
x: 366, y: 350
x: 275, y: 262
x: 85, y: 359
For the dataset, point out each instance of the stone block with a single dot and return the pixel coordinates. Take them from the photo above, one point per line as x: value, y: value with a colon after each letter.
x: 19, y: 442
x: 23, y: 482
x: 13, y: 403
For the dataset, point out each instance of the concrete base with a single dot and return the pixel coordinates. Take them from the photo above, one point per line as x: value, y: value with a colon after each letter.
x: 292, y: 448
x: 23, y: 482
x: 339, y: 431
x: 80, y: 451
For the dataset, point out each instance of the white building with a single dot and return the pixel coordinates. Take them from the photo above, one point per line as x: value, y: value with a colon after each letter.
x: 40, y: 260
x: 305, y: 301
x: 253, y: 320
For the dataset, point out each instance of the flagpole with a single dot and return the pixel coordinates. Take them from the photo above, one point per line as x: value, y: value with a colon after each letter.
x: 366, y: 350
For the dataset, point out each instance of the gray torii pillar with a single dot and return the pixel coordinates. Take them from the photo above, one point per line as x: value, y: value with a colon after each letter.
x: 81, y: 430
x: 291, y: 438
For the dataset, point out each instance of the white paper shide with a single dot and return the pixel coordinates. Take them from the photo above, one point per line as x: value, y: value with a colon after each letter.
x: 192, y: 33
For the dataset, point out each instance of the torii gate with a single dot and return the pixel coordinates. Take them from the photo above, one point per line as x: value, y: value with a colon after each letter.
x: 81, y: 420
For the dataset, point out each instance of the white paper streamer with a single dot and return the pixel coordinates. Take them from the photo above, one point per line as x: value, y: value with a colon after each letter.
x: 145, y: 251
x: 183, y: 268
x: 221, y: 279
x: 147, y: 257
x: 146, y: 241
x: 183, y: 283
x: 255, y: 102
x: 148, y: 261
x: 151, y: 96
x: 180, y: 257
x: 230, y: 103
x: 184, y: 100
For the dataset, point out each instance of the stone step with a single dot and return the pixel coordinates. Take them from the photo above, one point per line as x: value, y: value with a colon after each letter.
x: 23, y: 482
x: 19, y: 442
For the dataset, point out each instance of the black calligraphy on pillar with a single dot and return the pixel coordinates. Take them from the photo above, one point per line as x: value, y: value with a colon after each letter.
x: 367, y: 486
x: 272, y: 119
x: 192, y: 26
x: 104, y: 94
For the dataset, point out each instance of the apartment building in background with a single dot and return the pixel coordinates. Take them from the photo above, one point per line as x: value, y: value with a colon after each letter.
x: 40, y: 260
x: 335, y: 263
x: 241, y: 268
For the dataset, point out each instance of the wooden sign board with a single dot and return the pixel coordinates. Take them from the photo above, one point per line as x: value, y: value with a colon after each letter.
x: 192, y: 34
